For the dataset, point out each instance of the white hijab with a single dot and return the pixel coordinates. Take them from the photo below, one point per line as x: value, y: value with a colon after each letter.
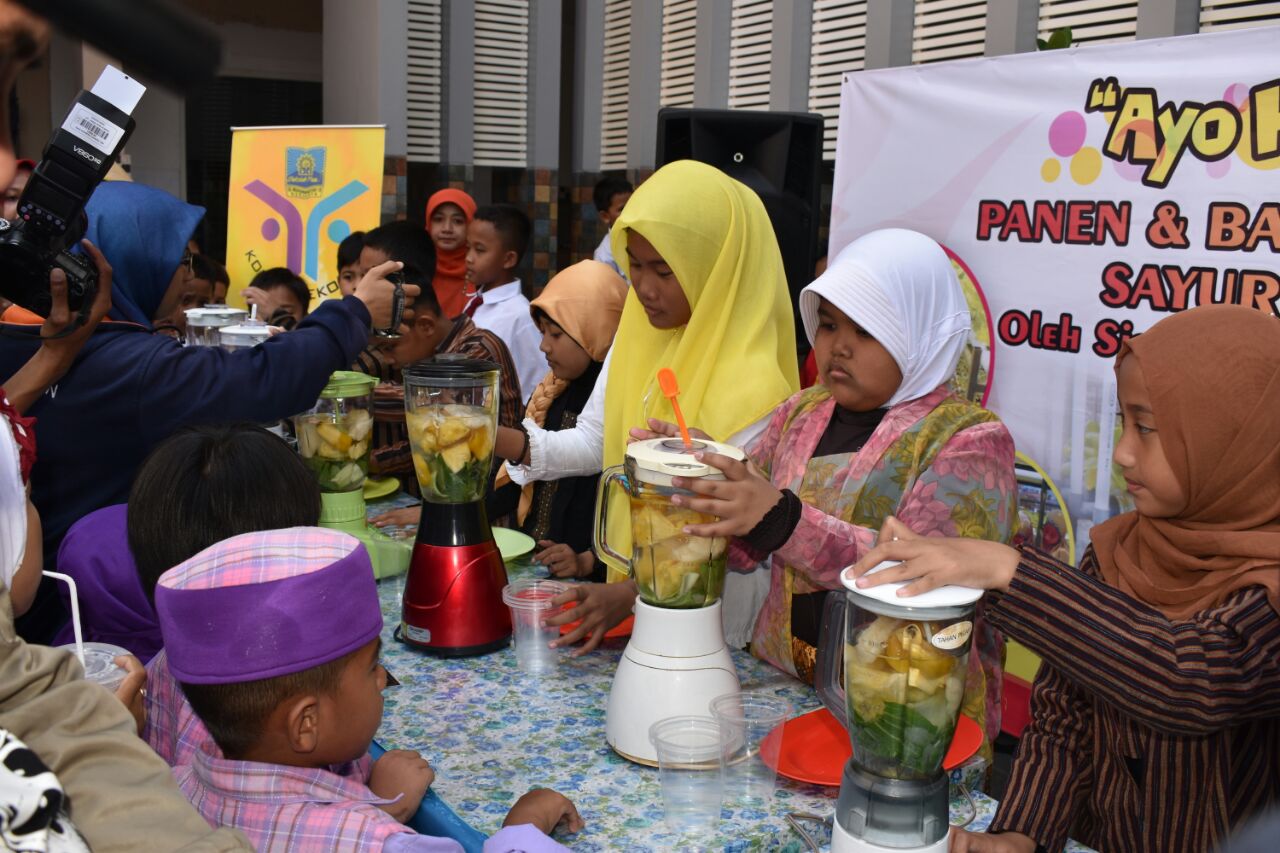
x: 898, y: 285
x: 13, y: 505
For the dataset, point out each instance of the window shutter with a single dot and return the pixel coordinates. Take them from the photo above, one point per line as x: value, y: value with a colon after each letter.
x: 679, y: 45
x: 613, y: 107
x: 502, y: 82
x: 422, y: 70
x: 948, y: 29
x: 750, y: 53
x: 1091, y: 21
x: 1237, y: 14
x: 839, y: 45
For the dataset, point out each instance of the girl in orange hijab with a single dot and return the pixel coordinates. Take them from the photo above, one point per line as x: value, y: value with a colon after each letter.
x: 1156, y: 714
x: 449, y: 212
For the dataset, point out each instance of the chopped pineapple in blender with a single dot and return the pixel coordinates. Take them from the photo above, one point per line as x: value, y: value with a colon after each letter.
x: 360, y: 448
x: 480, y: 441
x: 452, y: 431
x: 423, y: 471
x: 359, y: 424
x: 874, y: 638
x: 334, y: 436
x: 456, y: 457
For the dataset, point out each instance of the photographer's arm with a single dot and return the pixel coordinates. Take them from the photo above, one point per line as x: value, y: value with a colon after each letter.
x: 60, y: 340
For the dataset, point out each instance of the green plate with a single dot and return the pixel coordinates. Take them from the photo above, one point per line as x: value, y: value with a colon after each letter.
x: 512, y: 544
x: 375, y: 488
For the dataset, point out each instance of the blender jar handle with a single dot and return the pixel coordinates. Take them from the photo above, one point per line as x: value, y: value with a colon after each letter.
x: 828, y: 678
x: 612, y: 474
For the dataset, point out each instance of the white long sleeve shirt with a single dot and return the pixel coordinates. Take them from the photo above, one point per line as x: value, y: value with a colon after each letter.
x: 579, y: 451
x: 505, y: 312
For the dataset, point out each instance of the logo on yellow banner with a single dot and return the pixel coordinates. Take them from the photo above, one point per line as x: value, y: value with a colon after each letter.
x: 304, y: 172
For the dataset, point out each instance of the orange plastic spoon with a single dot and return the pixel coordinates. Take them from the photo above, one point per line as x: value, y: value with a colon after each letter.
x: 671, y: 390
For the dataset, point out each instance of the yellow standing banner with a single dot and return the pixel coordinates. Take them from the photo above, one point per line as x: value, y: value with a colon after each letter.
x: 296, y: 193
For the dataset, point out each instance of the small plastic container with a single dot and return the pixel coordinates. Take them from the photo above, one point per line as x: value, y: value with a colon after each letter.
x: 689, y: 772
x: 99, y: 663
x: 243, y: 335
x: 530, y: 603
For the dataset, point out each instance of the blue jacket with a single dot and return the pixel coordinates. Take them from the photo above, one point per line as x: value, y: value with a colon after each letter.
x: 130, y: 389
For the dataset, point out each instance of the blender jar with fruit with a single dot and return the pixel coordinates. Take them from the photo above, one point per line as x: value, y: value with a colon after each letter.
x: 670, y: 567
x: 893, y: 670
x: 333, y: 438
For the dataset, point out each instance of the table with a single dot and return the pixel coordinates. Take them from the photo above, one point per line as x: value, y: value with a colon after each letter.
x: 493, y: 732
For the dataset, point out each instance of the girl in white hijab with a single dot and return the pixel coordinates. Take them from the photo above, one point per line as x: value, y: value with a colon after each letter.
x: 881, y: 434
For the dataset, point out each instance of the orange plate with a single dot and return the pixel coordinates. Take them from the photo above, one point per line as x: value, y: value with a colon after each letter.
x: 816, y: 747
x: 622, y: 629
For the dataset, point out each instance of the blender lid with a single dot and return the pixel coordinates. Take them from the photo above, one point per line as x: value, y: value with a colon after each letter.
x: 450, y: 369
x: 348, y: 383
x: 942, y: 598
x: 248, y: 330
x: 211, y: 315
x: 668, y: 457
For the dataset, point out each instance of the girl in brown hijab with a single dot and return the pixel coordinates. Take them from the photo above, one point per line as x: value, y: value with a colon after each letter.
x: 1156, y: 713
x: 577, y: 313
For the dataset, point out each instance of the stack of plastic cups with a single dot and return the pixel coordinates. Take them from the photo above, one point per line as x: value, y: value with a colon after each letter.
x: 748, y: 755
x: 690, y: 773
x: 530, y: 603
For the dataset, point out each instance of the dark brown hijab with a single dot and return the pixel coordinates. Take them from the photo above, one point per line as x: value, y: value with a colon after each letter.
x: 1213, y: 374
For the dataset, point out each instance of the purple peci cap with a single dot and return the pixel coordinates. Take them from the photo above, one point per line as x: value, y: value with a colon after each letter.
x: 265, y: 604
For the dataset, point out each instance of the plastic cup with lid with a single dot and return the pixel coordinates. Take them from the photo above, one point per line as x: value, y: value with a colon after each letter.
x: 99, y: 663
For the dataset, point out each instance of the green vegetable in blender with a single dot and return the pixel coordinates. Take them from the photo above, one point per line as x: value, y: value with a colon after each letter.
x: 903, y: 695
x: 452, y: 451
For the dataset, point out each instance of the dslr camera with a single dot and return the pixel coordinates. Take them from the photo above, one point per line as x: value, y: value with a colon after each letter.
x: 51, y: 218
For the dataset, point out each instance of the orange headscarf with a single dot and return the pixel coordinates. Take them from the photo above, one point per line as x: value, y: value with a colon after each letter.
x: 1213, y: 374
x: 450, y: 282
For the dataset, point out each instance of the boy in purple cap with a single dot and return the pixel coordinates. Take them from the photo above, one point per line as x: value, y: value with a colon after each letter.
x: 293, y: 701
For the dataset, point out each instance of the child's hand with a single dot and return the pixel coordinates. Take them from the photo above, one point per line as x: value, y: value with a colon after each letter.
x: 406, y: 517
x: 981, y: 842
x: 401, y: 771
x: 662, y: 429
x: 132, y: 692
x: 545, y: 809
x: 740, y: 500
x: 933, y: 562
x: 600, y: 607
x: 560, y: 559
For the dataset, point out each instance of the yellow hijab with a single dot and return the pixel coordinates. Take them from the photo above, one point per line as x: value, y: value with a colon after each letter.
x: 736, y: 358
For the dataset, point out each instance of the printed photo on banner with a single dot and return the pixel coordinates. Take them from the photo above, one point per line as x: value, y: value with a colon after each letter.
x: 296, y: 193
x: 1082, y: 195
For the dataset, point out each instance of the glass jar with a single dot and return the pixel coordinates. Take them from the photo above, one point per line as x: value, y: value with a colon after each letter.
x: 451, y: 409
x: 334, y: 436
x: 671, y: 568
x: 203, y: 324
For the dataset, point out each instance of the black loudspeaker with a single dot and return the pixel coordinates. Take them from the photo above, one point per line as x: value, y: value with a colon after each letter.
x: 779, y: 155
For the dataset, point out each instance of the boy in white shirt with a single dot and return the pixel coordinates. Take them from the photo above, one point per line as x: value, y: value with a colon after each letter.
x: 497, y: 239
x: 610, y: 196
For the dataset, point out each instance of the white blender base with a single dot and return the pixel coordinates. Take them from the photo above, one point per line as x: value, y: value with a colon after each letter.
x: 843, y: 842
x: 675, y: 664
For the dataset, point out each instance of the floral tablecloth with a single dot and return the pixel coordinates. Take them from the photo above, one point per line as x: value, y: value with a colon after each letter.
x: 493, y: 732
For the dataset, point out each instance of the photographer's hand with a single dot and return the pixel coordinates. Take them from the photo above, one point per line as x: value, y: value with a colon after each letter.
x: 60, y: 340
x: 378, y: 294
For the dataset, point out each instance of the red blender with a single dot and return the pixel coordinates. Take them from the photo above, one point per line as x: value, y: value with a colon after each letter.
x: 453, y: 595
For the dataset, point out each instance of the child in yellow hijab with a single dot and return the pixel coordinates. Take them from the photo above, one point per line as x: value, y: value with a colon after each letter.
x: 709, y: 300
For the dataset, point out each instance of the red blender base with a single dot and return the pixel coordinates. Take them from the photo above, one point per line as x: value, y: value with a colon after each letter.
x: 453, y: 593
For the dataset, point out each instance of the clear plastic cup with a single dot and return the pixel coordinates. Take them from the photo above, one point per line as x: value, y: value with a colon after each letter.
x: 530, y: 603
x: 689, y: 771
x: 100, y: 665
x: 745, y: 720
